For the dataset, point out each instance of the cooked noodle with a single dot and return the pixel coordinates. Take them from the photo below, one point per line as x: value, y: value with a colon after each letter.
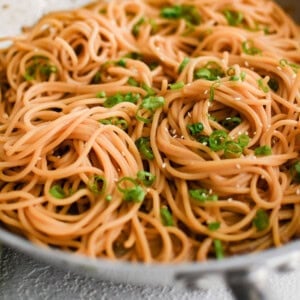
x: 153, y: 131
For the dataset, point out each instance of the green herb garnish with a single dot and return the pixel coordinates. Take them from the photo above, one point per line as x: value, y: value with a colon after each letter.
x: 131, y: 81
x: 133, y: 193
x: 262, y: 86
x: 183, y: 64
x: 97, y: 185
x: 146, y: 178
x: 136, y: 27
x: 217, y: 140
x: 186, y: 12
x: 261, y: 220
x: 202, y: 195
x: 144, y: 147
x: 249, y: 48
x: 233, y: 18
x: 166, y: 216
x: 213, y: 226
x: 176, y: 86
x: 118, y: 98
x: 263, y: 150
x: 57, y: 191
x: 232, y: 149
x: 218, y: 249
x: 195, y: 128
x: 211, y: 71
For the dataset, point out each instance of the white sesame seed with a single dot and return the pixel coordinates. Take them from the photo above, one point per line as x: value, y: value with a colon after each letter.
x: 189, y: 114
x: 237, y: 98
x: 298, y: 192
x: 182, y: 137
x: 279, y: 68
x: 123, y: 153
x: 210, y: 191
x: 163, y: 165
x: 205, y: 92
x: 229, y: 199
x: 246, y: 63
x: 238, y: 166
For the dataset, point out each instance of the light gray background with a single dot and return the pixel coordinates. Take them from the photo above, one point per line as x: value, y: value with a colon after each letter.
x: 22, y: 277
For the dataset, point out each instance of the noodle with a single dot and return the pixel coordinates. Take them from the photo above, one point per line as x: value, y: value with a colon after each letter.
x: 153, y: 131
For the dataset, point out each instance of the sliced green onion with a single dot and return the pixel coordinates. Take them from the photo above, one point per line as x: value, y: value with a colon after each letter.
x: 40, y: 64
x: 97, y: 185
x: 212, y: 91
x: 295, y: 171
x: 101, y: 94
x: 213, y: 226
x: 108, y: 198
x: 131, y: 81
x: 183, y: 64
x: 273, y: 84
x: 249, y: 48
x: 118, y: 98
x: 176, y: 86
x: 261, y: 220
x: 187, y: 12
x: 263, y: 150
x: 243, y: 140
x: 148, y: 89
x: 146, y: 178
x: 57, y: 191
x: 166, y: 216
x: 231, y: 122
x: 211, y: 71
x: 218, y: 249
x: 262, y: 86
x: 136, y: 27
x: 202, y: 195
x: 284, y: 62
x: 243, y: 75
x: 203, y: 139
x: 121, y: 63
x: 232, y: 150
x: 195, y: 128
x: 134, y: 193
x: 134, y: 55
x: 152, y: 102
x: 217, y: 140
x: 144, y: 147
x: 233, y: 18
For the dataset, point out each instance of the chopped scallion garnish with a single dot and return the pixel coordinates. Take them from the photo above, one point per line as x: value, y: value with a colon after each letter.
x: 143, y: 145
x: 146, y: 178
x: 213, y: 226
x: 166, y: 216
x: 295, y: 171
x: 133, y: 193
x: 218, y: 249
x: 195, y: 128
x: 233, y: 18
x: 57, y: 191
x: 118, y: 98
x: 176, y: 86
x: 261, y: 220
x: 263, y: 150
x: 249, y: 48
x: 262, y: 86
x: 187, y: 12
x: 202, y: 195
x: 183, y: 64
x: 231, y: 122
x: 97, y: 185
x: 217, y: 140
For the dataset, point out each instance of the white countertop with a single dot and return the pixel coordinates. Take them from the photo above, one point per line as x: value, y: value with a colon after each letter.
x: 24, y: 278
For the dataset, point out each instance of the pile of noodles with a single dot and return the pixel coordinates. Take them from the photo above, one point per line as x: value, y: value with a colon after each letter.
x: 153, y: 131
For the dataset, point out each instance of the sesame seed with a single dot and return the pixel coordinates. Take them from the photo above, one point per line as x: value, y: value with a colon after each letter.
x: 238, y: 166
x: 237, y: 98
x: 298, y: 192
x: 123, y: 153
x: 279, y: 68
x: 210, y: 191
x: 246, y: 63
x: 229, y: 199
x: 205, y: 92
x: 163, y: 165
x: 189, y: 114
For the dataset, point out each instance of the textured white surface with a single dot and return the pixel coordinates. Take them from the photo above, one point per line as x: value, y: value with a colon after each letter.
x: 24, y: 278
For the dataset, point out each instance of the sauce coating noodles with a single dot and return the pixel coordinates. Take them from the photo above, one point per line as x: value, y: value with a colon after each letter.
x: 153, y: 131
